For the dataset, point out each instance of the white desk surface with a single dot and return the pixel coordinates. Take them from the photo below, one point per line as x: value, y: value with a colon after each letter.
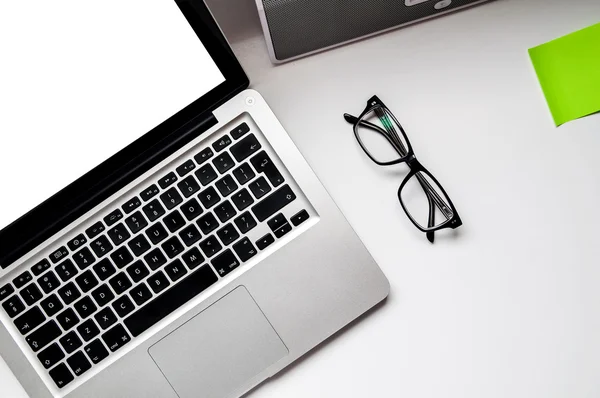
x: 509, y: 306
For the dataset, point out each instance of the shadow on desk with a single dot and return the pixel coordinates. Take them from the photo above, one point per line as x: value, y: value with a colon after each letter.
x: 237, y: 18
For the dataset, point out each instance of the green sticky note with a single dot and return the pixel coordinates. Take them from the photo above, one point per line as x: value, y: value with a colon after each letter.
x: 569, y: 72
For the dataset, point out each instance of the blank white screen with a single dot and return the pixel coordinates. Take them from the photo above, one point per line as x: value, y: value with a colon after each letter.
x: 80, y: 80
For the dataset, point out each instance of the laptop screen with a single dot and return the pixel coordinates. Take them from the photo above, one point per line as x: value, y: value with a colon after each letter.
x: 81, y: 80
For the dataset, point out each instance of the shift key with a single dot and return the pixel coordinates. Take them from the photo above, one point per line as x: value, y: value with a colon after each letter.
x: 273, y: 203
x: 43, y: 336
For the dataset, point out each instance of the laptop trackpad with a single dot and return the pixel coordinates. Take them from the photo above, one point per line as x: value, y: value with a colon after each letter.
x: 215, y: 353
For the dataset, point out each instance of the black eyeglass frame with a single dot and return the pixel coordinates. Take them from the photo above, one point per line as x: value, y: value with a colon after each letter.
x: 407, y: 156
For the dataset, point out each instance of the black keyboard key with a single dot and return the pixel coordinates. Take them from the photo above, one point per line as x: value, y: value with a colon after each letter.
x: 113, y: 217
x: 85, y: 307
x: 139, y: 245
x: 277, y: 222
x: 77, y: 242
x: 260, y: 187
x: 158, y: 282
x: 13, y: 306
x: 66, y: 270
x: 120, y: 283
x: 283, y: 230
x: 189, y: 186
x: 51, y: 356
x: 171, y: 198
x: 240, y: 130
x: 228, y: 234
x: 244, y: 249
x: 191, y: 209
x: 209, y: 197
x: 137, y: 271
x: 38, y: 269
x: 104, y: 269
x: 141, y: 294
x: 157, y: 233
x: 95, y: 230
x: 171, y: 300
x: 204, y: 155
x: 88, y: 330
x: 265, y: 241
x: 84, y: 258
x: 67, y: 319
x: 207, y: 223
x: 206, y: 174
x: 245, y: 148
x: 225, y: 211
x: 51, y: 305
x: 155, y: 259
x: 186, y: 168
x: 49, y: 282
x: 59, y: 254
x: 245, y: 222
x: 43, y: 336
x: 116, y: 338
x: 131, y: 205
x: 154, y: 210
x: 263, y: 164
x: 79, y: 363
x: 192, y: 258
x: 22, y: 279
x: 70, y: 342
x: 69, y: 293
x: 210, y: 246
x: 121, y: 257
x: 31, y: 294
x: 174, y: 221
x: 123, y: 306
x: 244, y: 173
x: 226, y: 185
x: 96, y: 351
x: 190, y: 235
x: 118, y: 234
x: 223, y: 162
x: 176, y: 270
x: 101, y: 246
x: 61, y: 375
x: 30, y: 320
x: 274, y: 203
x: 86, y: 281
x: 167, y: 180
x: 6, y: 291
x: 106, y: 318
x: 225, y: 262
x: 172, y: 247
x: 149, y: 193
x: 242, y: 199
x: 221, y: 143
x: 136, y: 222
x: 103, y: 295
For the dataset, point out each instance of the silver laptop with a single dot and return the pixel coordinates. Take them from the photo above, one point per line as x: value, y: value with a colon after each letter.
x: 179, y: 245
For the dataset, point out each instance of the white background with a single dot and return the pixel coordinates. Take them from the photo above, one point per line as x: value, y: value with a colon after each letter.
x: 510, y: 305
x: 81, y: 80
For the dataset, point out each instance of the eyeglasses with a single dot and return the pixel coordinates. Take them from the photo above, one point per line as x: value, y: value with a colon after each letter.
x: 423, y: 199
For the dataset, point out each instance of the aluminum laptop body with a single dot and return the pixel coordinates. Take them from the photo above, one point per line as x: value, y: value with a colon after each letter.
x: 290, y: 280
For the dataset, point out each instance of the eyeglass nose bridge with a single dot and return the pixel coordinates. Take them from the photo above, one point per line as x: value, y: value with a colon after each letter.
x: 413, y: 163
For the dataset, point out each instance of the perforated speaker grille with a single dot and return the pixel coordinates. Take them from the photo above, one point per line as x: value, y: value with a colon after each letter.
x: 301, y: 26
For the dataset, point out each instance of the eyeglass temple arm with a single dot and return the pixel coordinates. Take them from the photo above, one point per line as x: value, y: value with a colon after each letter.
x: 396, y: 144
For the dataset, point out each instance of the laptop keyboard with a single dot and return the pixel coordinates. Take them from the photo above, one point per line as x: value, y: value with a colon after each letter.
x: 144, y: 260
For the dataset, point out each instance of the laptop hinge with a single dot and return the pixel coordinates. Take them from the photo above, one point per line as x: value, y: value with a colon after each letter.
x: 21, y: 237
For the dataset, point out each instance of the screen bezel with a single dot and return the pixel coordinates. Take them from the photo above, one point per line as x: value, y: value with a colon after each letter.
x: 73, y: 201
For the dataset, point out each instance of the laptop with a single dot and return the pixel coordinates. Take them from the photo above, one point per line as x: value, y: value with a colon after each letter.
x: 161, y: 234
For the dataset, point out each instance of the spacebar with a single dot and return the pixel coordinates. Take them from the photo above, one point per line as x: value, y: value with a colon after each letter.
x: 169, y: 301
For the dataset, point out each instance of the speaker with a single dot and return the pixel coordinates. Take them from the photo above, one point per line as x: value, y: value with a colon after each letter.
x: 294, y: 28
